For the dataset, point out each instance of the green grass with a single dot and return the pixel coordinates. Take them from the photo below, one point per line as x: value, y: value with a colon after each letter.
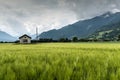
x: 60, y: 61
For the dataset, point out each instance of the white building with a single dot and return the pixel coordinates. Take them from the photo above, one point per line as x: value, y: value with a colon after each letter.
x: 25, y: 39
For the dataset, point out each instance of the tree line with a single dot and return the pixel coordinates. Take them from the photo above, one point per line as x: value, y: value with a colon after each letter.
x: 74, y: 39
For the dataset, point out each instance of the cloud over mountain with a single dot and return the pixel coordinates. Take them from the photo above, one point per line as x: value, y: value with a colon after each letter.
x: 22, y: 16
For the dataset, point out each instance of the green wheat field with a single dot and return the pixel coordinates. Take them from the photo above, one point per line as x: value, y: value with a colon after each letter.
x: 60, y: 61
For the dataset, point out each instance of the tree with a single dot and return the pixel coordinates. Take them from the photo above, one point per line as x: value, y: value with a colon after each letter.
x: 75, y: 39
x: 64, y: 40
x: 118, y: 37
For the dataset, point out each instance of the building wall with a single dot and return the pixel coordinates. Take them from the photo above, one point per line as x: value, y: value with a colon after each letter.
x: 25, y: 37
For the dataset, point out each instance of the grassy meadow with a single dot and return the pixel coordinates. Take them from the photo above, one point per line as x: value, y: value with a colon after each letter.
x: 60, y: 61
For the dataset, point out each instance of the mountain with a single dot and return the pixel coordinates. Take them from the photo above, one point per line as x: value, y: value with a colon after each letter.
x: 83, y: 29
x: 108, y: 32
x: 33, y: 36
x: 6, y: 37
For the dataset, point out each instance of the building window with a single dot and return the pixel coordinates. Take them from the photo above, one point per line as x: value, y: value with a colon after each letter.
x: 25, y: 40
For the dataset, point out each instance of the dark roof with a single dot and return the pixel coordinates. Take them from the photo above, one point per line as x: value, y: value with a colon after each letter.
x: 25, y: 35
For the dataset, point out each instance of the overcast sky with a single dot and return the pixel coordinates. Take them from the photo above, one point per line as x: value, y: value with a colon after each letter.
x: 22, y: 16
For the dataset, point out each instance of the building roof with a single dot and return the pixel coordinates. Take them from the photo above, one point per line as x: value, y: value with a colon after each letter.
x: 24, y: 35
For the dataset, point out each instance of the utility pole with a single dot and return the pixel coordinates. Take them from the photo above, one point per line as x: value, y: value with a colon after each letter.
x: 37, y: 33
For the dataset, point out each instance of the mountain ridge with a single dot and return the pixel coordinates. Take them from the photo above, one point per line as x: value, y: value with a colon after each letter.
x: 6, y: 37
x: 89, y: 28
x: 84, y: 28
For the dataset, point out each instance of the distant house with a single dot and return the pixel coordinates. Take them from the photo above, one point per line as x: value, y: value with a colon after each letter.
x: 25, y: 39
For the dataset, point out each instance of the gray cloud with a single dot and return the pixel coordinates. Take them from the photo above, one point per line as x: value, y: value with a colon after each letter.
x: 22, y: 16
